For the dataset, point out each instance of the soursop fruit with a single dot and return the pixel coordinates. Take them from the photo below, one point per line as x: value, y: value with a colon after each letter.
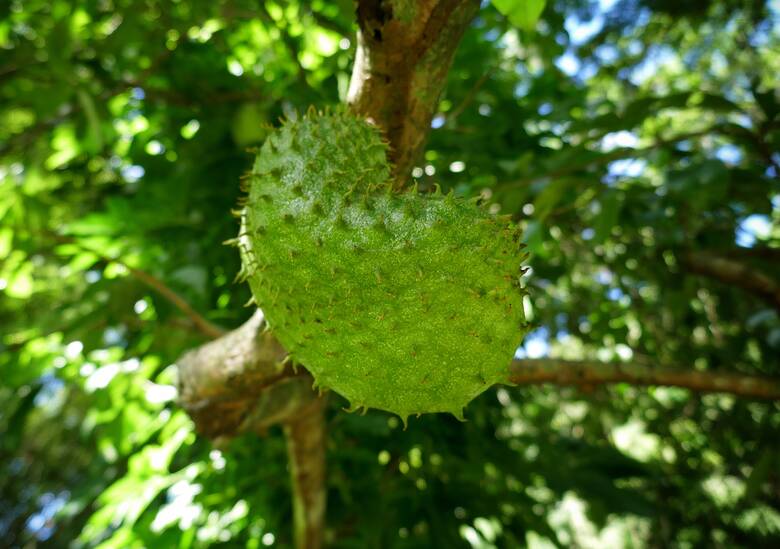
x: 401, y: 301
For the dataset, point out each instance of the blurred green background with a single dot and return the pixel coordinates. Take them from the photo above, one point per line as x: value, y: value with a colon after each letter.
x: 625, y: 135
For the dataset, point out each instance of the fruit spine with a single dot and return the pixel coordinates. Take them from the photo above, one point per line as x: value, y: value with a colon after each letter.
x: 399, y: 301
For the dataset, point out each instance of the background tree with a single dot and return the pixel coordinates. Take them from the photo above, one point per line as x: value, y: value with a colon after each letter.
x: 635, y: 140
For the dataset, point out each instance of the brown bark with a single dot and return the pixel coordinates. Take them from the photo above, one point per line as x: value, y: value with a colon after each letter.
x: 589, y: 374
x: 230, y: 387
x: 221, y: 382
x: 241, y: 383
x: 404, y: 53
x: 306, y: 453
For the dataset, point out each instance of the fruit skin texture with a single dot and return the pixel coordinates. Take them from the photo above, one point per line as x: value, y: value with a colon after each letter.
x: 404, y: 302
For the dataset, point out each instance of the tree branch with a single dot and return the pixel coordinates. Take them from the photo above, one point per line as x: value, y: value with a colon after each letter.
x: 238, y: 383
x: 204, y: 326
x: 241, y: 383
x: 471, y: 94
x: 306, y: 452
x: 764, y: 253
x: 597, y: 158
x: 734, y: 273
x: 221, y: 382
x: 404, y: 52
x: 592, y: 373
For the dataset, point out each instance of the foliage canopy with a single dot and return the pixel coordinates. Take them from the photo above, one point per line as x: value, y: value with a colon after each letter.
x: 634, y: 140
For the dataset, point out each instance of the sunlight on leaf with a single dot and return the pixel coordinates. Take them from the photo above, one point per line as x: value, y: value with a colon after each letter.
x: 521, y: 13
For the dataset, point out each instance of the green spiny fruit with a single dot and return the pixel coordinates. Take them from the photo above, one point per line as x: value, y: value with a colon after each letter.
x: 399, y: 301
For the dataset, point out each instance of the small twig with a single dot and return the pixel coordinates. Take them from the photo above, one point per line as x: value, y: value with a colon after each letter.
x: 327, y: 23
x: 470, y: 95
x: 605, y: 158
x: 204, y: 326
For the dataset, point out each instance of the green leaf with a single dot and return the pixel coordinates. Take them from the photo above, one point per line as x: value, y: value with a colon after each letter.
x: 521, y: 13
x: 759, y: 474
x: 549, y: 198
x: 249, y: 124
x: 608, y: 217
x: 534, y: 237
x: 20, y: 284
x: 6, y: 242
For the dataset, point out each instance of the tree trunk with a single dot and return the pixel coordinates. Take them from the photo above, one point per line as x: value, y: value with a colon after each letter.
x: 404, y: 52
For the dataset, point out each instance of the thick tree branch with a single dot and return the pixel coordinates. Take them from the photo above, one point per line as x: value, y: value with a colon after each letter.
x: 221, y: 382
x: 237, y: 383
x: 735, y: 273
x: 764, y: 253
x: 592, y: 373
x: 241, y: 383
x: 404, y: 52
